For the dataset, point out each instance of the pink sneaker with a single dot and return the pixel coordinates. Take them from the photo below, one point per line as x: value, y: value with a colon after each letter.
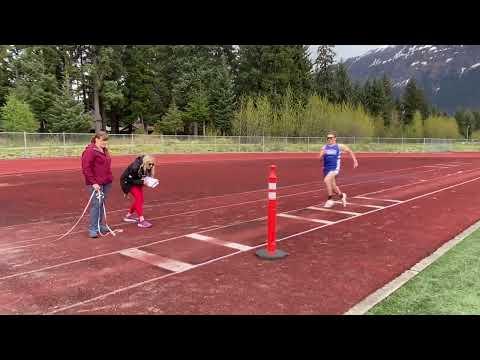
x: 144, y: 224
x: 130, y: 218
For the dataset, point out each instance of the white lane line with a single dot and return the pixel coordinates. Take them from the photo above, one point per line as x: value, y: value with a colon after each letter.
x: 100, y: 297
x: 156, y: 260
x: 369, y: 206
x: 163, y: 240
x: 211, y: 197
x: 117, y: 251
x: 369, y: 198
x: 209, y: 227
x: 216, y: 241
x: 183, y: 213
x: 335, y: 211
x: 448, y: 165
x: 221, y: 227
x: 190, y: 212
x: 306, y: 219
x: 224, y: 206
x: 373, y: 211
x: 412, y: 183
x: 207, y: 209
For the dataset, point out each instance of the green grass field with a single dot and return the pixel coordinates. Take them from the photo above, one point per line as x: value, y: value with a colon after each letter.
x: 449, y: 286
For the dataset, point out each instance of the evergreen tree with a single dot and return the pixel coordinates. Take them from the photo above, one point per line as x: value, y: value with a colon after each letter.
x: 16, y: 115
x: 197, y: 111
x: 115, y: 102
x: 270, y: 70
x: 413, y: 100
x: 172, y: 121
x: 343, y: 89
x: 67, y: 114
x: 389, y: 103
x: 374, y: 99
x: 33, y: 83
x: 101, y: 62
x: 476, y: 120
x: 5, y: 85
x: 140, y: 85
x: 466, y: 122
x: 357, y: 94
x: 324, y: 77
x: 415, y: 128
x: 365, y: 95
x: 398, y: 106
x: 222, y: 100
x: 195, y: 68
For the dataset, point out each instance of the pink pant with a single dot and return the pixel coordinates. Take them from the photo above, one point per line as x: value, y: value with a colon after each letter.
x: 137, y: 192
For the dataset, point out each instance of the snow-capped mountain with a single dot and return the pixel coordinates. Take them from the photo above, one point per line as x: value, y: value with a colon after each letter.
x: 449, y: 74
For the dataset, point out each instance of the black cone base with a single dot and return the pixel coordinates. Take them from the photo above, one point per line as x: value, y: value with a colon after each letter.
x: 265, y: 254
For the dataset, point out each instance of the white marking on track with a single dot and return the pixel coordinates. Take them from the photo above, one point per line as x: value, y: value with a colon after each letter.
x: 369, y: 198
x: 209, y: 227
x: 306, y: 219
x: 335, y: 211
x: 216, y: 241
x: 365, y: 205
x: 156, y: 260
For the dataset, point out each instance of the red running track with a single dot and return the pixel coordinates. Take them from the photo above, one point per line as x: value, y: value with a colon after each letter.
x: 166, y: 270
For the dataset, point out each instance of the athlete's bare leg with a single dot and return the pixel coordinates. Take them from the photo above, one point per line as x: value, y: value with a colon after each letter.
x: 343, y: 196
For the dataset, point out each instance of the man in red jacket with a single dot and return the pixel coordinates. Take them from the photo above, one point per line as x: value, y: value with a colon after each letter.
x: 96, y: 167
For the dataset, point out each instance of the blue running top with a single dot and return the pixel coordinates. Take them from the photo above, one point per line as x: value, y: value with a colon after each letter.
x: 331, y: 158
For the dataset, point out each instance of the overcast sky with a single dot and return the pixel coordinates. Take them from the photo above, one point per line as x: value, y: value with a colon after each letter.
x: 347, y: 51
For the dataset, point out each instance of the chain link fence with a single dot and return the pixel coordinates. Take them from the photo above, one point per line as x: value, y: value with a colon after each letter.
x: 28, y: 145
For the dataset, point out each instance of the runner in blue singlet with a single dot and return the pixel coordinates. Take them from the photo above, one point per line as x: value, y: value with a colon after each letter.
x: 331, y: 154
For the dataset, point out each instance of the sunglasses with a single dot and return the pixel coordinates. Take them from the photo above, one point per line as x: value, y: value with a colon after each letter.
x: 330, y: 138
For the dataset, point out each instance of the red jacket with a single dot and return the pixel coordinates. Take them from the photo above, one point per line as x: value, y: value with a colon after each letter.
x: 96, y: 166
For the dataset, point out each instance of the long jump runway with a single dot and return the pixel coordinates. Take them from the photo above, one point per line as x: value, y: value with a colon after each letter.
x: 209, y: 218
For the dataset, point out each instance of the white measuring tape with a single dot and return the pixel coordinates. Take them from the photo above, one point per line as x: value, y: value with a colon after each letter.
x: 99, y: 197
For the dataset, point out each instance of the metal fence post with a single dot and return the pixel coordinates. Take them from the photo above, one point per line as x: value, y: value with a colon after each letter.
x: 64, y: 145
x: 238, y: 144
x: 263, y: 143
x: 25, y: 144
x: 308, y: 143
x: 215, y: 142
x: 131, y: 143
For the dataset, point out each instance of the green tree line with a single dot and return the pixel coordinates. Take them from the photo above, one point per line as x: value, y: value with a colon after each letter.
x: 205, y: 89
